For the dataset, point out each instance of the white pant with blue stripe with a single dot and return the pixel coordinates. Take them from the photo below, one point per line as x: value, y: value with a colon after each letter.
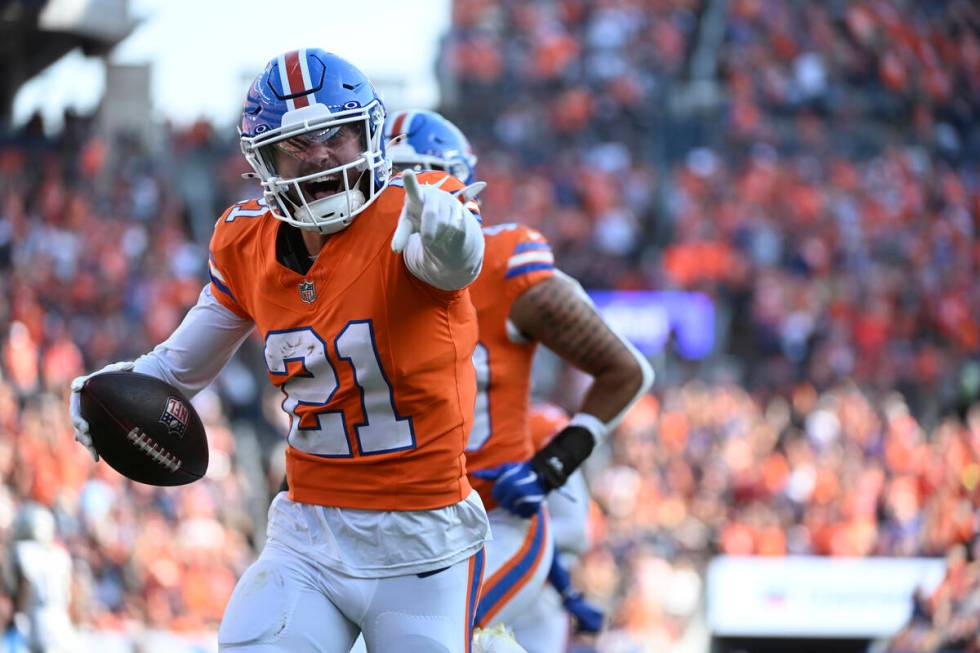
x: 518, y: 561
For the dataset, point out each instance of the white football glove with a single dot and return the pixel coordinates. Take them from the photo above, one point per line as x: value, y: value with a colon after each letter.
x: 434, y: 213
x: 78, y: 423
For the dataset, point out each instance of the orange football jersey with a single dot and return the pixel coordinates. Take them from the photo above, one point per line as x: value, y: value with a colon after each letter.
x: 516, y: 257
x: 373, y: 363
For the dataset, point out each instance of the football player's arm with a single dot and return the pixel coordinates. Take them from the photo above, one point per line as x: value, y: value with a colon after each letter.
x: 441, y: 241
x: 198, y: 348
x: 557, y: 313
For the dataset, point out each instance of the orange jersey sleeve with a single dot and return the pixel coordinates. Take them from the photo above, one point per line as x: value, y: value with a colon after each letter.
x: 374, y: 368
x: 516, y: 258
x: 225, y: 250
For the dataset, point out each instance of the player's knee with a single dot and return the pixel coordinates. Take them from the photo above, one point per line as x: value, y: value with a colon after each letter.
x: 259, y: 609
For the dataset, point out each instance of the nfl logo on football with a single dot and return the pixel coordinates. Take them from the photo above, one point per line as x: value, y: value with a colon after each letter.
x: 306, y: 291
x: 175, y: 416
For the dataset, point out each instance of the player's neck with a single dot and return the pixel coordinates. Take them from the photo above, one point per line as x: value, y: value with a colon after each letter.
x: 314, y: 242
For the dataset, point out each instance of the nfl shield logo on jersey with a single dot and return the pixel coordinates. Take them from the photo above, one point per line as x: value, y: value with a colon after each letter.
x: 306, y: 291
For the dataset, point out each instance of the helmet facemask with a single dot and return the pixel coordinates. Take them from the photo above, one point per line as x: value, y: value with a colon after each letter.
x: 404, y: 157
x: 311, y: 195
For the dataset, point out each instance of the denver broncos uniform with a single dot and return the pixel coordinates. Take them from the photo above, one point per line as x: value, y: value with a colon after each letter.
x: 375, y: 369
x: 373, y: 363
x: 515, y: 258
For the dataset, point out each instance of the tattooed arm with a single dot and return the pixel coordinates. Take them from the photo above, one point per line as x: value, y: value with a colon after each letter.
x: 558, y: 314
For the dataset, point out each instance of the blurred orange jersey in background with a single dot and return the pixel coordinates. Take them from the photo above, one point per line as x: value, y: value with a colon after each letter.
x: 516, y: 258
x: 543, y: 422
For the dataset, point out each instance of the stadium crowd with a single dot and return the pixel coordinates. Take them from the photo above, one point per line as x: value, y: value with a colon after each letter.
x: 99, y: 263
x: 830, y: 208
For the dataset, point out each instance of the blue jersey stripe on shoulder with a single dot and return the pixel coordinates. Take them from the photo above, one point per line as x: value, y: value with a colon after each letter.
x: 220, y: 286
x: 529, y: 247
x: 526, y: 269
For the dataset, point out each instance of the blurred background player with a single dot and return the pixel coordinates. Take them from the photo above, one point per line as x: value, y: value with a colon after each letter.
x: 521, y: 300
x: 380, y: 532
x: 545, y: 625
x: 42, y: 572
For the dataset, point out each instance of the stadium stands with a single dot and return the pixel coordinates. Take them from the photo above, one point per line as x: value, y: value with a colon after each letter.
x: 828, y: 203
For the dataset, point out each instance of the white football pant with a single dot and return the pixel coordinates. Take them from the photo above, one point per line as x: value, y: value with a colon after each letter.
x: 518, y: 561
x: 286, y: 604
x: 545, y: 626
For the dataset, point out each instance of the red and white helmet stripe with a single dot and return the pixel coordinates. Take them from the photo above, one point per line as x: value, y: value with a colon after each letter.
x: 401, y: 124
x: 294, y: 74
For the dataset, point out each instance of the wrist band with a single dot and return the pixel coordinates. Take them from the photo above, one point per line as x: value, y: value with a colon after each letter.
x: 592, y: 424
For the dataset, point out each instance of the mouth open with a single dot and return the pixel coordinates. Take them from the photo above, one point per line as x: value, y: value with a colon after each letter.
x: 324, y: 187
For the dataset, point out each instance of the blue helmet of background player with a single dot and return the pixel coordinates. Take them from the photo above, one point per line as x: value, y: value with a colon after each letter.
x: 302, y: 100
x: 424, y: 140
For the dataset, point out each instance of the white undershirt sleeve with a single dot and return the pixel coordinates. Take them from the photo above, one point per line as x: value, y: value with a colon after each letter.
x: 199, y: 347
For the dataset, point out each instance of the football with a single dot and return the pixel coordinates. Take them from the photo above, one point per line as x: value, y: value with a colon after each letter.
x: 145, y: 428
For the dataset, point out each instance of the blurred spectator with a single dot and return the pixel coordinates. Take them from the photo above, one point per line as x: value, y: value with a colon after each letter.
x: 42, y: 582
x: 949, y: 618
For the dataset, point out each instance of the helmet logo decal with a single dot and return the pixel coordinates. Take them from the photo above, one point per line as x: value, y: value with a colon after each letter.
x: 294, y: 74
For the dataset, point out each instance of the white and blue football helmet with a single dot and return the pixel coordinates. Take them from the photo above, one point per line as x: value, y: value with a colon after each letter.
x: 424, y: 140
x: 311, y: 94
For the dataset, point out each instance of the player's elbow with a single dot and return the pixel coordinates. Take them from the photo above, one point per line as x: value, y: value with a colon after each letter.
x: 646, y: 373
x: 631, y: 375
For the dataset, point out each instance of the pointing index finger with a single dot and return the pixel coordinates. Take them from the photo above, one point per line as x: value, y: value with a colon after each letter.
x: 413, y: 193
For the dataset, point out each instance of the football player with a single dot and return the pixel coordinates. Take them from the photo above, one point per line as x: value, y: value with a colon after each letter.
x: 544, y: 627
x: 522, y: 300
x: 357, y: 285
